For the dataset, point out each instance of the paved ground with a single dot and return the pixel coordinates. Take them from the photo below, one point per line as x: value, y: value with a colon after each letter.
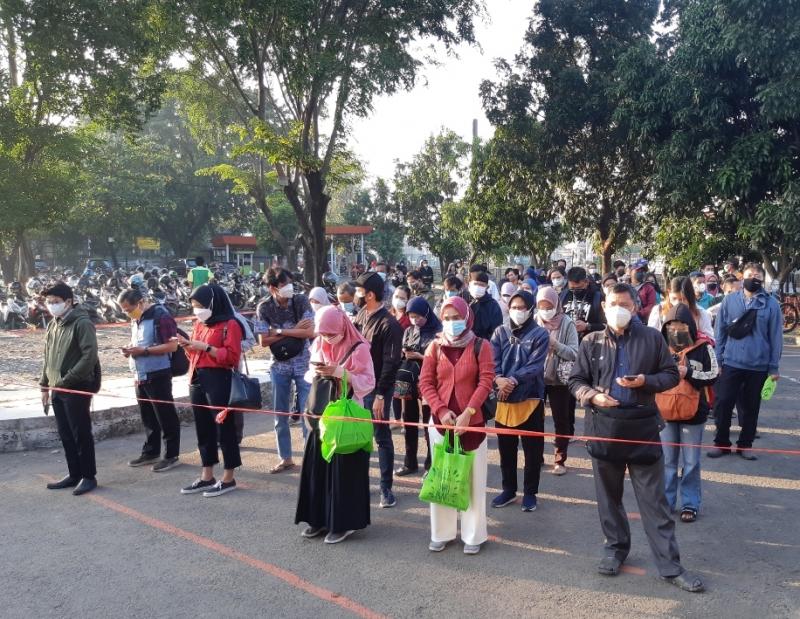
x: 137, y: 548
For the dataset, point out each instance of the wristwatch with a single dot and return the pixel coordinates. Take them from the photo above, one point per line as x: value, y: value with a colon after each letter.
x: 208, y: 348
x: 279, y: 331
x: 379, y: 397
x: 146, y: 351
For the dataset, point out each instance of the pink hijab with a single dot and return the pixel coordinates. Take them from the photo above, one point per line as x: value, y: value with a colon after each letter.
x: 330, y: 319
x: 462, y: 308
x: 548, y: 293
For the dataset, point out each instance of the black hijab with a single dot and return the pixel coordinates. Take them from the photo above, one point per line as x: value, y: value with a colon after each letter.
x: 214, y: 297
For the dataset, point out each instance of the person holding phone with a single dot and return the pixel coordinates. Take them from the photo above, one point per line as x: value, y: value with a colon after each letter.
x: 214, y: 352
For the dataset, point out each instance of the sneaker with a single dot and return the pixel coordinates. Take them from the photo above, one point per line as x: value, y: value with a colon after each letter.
x: 718, y: 452
x: 335, y: 538
x: 404, y: 470
x: 220, y: 488
x: 746, y: 454
x: 143, y: 459
x: 199, y: 486
x: 437, y: 546
x: 559, y: 469
x: 311, y: 532
x: 472, y: 549
x: 529, y: 503
x: 387, y: 499
x: 506, y: 497
x: 166, y: 464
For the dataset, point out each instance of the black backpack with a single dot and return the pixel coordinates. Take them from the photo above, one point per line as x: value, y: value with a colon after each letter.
x: 178, y: 360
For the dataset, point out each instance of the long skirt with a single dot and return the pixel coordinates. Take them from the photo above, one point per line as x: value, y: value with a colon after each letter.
x: 335, y: 495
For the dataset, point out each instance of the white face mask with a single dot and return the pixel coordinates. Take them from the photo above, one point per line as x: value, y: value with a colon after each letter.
x: 314, y: 306
x: 382, y: 275
x: 709, y: 273
x: 699, y: 288
x: 518, y: 316
x: 558, y: 282
x: 477, y: 291
x: 547, y: 314
x: 287, y: 291
x: 57, y: 309
x: 398, y: 303
x: 333, y: 339
x: 618, y: 317
x: 202, y: 313
x: 592, y: 270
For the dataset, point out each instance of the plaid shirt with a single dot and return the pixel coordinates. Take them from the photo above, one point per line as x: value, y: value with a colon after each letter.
x: 284, y: 318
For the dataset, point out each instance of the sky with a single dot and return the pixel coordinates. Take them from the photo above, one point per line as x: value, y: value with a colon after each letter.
x: 401, y: 123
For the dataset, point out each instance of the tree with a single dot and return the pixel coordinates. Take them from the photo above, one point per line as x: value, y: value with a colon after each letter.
x: 313, y: 66
x: 717, y: 103
x: 565, y: 79
x: 426, y: 188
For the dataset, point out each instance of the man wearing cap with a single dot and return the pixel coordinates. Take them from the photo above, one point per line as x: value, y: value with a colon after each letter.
x: 70, y: 362
x: 385, y: 336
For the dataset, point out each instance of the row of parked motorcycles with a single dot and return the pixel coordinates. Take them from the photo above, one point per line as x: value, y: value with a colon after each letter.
x: 24, y: 307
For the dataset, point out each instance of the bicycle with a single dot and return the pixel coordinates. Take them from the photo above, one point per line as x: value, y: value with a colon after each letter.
x: 790, y: 310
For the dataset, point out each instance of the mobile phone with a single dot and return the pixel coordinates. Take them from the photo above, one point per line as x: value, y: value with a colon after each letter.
x: 318, y: 363
x: 633, y: 377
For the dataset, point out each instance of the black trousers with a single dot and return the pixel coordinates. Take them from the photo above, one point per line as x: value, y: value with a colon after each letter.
x: 159, y: 418
x: 532, y: 448
x: 562, y: 406
x: 411, y: 410
x: 212, y: 386
x: 74, y: 424
x: 740, y: 388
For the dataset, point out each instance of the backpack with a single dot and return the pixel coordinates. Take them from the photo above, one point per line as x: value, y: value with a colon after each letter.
x: 178, y: 360
x: 681, y: 402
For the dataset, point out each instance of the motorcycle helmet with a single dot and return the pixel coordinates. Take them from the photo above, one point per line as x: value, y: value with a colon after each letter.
x: 136, y: 280
x: 34, y: 287
x: 15, y: 288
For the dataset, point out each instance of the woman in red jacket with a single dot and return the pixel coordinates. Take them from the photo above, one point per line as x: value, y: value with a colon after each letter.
x: 213, y: 353
x: 456, y: 378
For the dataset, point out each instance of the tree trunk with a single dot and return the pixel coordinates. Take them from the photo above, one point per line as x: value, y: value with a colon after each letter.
x: 25, y: 261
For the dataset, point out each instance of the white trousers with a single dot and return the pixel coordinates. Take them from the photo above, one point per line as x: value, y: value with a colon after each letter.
x: 444, y: 520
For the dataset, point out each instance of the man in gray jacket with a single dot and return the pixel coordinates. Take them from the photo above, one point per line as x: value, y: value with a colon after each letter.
x: 620, y: 369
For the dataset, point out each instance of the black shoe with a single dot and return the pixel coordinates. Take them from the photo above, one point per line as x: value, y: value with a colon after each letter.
x: 312, y: 532
x: 67, y: 482
x: 144, y: 459
x: 403, y: 471
x: 220, y: 488
x: 85, y: 485
x: 718, y: 452
x: 746, y: 454
x: 609, y: 566
x: 199, y: 486
x: 166, y: 464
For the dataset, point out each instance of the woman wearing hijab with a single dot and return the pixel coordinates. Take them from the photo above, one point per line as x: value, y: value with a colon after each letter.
x: 507, y: 290
x: 334, y: 497
x: 529, y: 285
x: 562, y: 348
x: 520, y: 351
x: 424, y: 329
x: 399, y: 309
x: 214, y: 352
x: 318, y: 297
x: 456, y: 378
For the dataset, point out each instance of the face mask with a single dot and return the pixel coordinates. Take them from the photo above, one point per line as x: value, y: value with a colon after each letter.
x: 547, y: 314
x: 477, y: 291
x: 136, y: 314
x: 314, y: 306
x: 592, y: 271
x: 678, y: 340
x: 451, y: 293
x: 709, y: 273
x: 618, y: 317
x: 578, y: 293
x: 419, y: 322
x: 639, y: 276
x: 751, y: 284
x: 382, y: 275
x: 202, y: 313
x: 360, y: 301
x: 711, y: 287
x: 454, y: 328
x: 519, y: 316
x: 333, y: 339
x: 286, y: 292
x: 699, y: 288
x: 558, y: 282
x: 608, y: 290
x: 398, y: 304
x: 57, y: 309
x: 348, y: 307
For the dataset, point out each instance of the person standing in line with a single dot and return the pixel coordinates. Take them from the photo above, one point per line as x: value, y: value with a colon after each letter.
x: 617, y: 374
x: 487, y: 313
x: 200, y: 274
x: 214, y: 352
x: 334, y: 497
x: 419, y: 288
x: 400, y: 299
x: 704, y: 299
x: 520, y: 352
x: 291, y: 327
x: 346, y: 294
x: 562, y: 349
x: 426, y: 273
x: 153, y: 340
x: 456, y: 379
x: 749, y: 337
x: 318, y: 298
x: 71, y: 362
x: 385, y: 336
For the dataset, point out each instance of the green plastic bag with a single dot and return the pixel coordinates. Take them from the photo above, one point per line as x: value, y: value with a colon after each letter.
x: 343, y: 436
x: 449, y: 482
x: 768, y: 389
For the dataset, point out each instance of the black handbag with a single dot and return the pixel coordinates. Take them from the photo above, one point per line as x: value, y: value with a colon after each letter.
x: 245, y: 391
x: 325, y: 390
x: 634, y: 423
x: 288, y: 347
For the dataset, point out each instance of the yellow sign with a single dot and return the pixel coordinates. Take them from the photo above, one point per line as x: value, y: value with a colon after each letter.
x: 146, y: 242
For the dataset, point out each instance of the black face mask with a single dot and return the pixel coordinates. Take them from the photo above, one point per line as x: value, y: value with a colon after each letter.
x: 360, y: 302
x: 578, y: 293
x: 639, y: 276
x: 751, y: 284
x: 678, y: 340
x: 711, y: 288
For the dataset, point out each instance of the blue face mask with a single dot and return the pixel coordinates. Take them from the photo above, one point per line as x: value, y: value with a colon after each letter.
x: 451, y: 293
x: 348, y: 307
x: 455, y: 328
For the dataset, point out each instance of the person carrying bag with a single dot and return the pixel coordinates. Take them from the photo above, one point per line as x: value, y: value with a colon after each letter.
x: 449, y: 480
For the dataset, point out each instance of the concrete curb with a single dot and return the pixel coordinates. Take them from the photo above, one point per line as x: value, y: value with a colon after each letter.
x: 791, y: 340
x: 41, y: 432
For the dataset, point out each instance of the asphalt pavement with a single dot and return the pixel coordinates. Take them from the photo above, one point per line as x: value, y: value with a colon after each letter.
x: 137, y: 548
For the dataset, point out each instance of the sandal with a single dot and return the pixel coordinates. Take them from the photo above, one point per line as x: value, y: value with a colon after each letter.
x: 281, y: 467
x: 688, y: 514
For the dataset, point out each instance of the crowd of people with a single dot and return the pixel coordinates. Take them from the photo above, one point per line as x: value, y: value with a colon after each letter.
x: 647, y: 364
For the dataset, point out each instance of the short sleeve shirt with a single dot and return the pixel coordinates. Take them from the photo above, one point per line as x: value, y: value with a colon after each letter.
x: 284, y: 318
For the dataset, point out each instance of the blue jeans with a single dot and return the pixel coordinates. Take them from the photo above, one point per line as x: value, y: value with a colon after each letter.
x: 281, y: 394
x: 383, y: 437
x: 689, y: 480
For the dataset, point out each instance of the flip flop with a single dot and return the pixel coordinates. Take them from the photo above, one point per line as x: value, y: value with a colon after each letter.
x: 687, y: 581
x: 283, y: 466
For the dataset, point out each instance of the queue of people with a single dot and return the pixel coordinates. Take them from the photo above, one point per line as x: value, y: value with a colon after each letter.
x: 647, y: 367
